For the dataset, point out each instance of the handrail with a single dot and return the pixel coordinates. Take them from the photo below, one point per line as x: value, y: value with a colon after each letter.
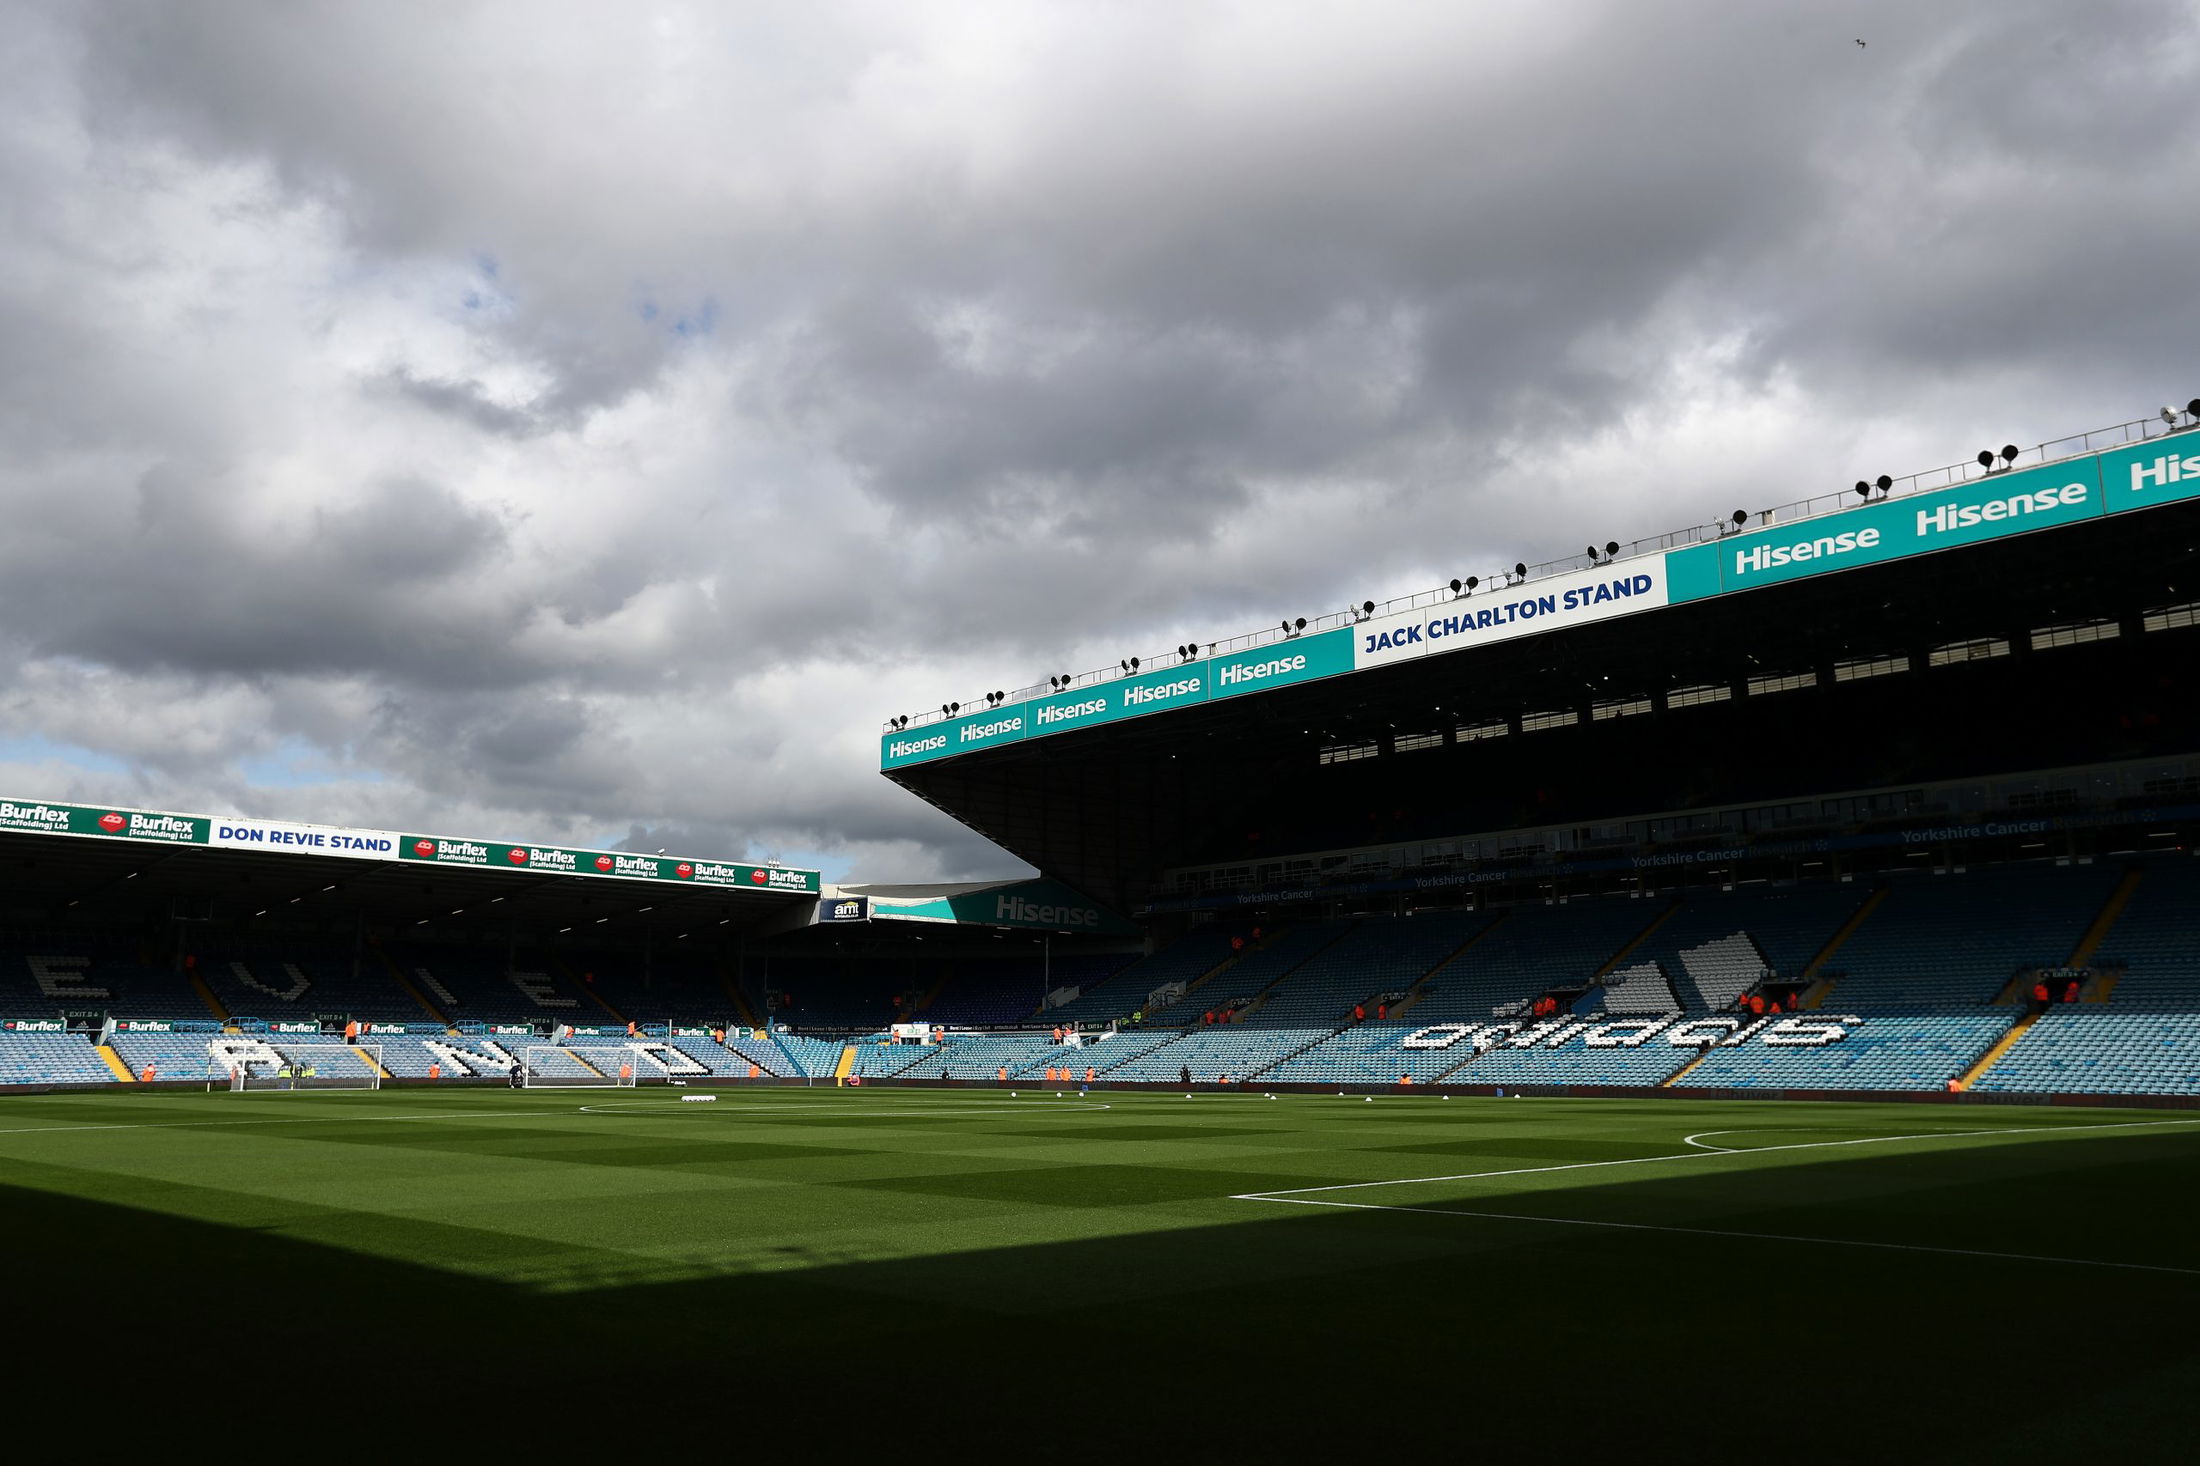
x: 2055, y: 450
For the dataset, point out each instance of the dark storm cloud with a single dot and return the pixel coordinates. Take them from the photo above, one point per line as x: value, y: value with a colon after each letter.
x: 465, y: 400
x: 575, y: 417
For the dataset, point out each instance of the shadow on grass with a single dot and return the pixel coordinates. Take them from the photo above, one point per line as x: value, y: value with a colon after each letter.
x: 1292, y: 1333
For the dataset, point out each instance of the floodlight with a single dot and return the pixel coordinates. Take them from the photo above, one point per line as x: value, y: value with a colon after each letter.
x: 1367, y: 608
x: 1884, y: 483
x: 2009, y: 453
x: 2169, y: 415
x: 1986, y: 459
x: 1741, y: 517
x: 1520, y: 570
x: 1611, y: 548
x: 1863, y: 489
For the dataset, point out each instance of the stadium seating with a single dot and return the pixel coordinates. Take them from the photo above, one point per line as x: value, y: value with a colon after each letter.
x: 1947, y: 943
x: 1528, y: 950
x: 1186, y: 960
x: 51, y: 1058
x: 1253, y: 971
x: 47, y: 971
x: 1233, y: 1053
x: 286, y: 982
x: 1379, y: 955
x: 1884, y: 1051
x: 2070, y: 1051
x: 1925, y: 969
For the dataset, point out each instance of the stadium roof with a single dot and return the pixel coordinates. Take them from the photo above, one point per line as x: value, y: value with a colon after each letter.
x: 1106, y: 807
x: 121, y: 861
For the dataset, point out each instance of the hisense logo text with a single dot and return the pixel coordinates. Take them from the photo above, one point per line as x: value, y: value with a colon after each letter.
x: 1161, y: 692
x: 1016, y: 908
x: 2164, y: 471
x: 1236, y: 672
x: 1946, y: 517
x: 972, y: 732
x: 908, y: 747
x: 1772, y: 557
x: 1073, y: 710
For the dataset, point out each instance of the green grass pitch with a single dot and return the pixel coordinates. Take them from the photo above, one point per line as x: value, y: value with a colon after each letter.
x: 1134, y: 1272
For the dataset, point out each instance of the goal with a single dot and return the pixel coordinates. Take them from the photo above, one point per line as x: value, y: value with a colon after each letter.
x: 596, y: 1067
x: 293, y: 1068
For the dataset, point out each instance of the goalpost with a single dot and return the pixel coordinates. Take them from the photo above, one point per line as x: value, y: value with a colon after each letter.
x: 596, y: 1067
x: 294, y: 1067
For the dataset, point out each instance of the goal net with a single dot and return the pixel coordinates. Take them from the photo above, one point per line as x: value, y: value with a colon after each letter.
x: 255, y: 1064
x: 595, y: 1067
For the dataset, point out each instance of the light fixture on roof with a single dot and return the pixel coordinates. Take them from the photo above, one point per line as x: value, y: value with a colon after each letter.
x: 2009, y: 453
x: 1520, y: 570
x: 949, y: 709
x: 1189, y: 651
x: 1363, y: 610
x: 1129, y: 665
x: 1294, y: 628
x: 1863, y: 489
x: 1464, y: 587
x: 1883, y: 483
x: 1741, y: 517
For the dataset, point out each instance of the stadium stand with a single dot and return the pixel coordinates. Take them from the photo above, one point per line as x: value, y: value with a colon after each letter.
x: 51, y: 1058
x: 1385, y: 955
x: 1531, y: 949
x: 1942, y: 944
x: 1186, y: 960
x: 1890, y: 1051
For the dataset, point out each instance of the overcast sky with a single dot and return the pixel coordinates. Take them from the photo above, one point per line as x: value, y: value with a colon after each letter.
x: 587, y: 422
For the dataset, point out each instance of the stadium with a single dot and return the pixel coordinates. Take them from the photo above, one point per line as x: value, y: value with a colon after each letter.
x: 1794, y: 912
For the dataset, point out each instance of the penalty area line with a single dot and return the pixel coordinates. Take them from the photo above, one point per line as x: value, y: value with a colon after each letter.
x: 1732, y: 1235
x: 1708, y: 1152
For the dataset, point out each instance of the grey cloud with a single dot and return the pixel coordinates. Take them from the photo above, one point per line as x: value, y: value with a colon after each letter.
x: 465, y: 400
x: 585, y: 441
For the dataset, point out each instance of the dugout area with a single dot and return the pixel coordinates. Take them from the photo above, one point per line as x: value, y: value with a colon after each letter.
x: 870, y: 1270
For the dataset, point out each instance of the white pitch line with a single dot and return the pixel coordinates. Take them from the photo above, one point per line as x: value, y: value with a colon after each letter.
x: 1707, y: 1153
x: 453, y: 1115
x: 1499, y: 1216
x: 966, y: 1109
x: 1697, y: 1139
x: 283, y: 1120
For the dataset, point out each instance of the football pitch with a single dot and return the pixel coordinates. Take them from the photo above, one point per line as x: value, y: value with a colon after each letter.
x: 1139, y: 1271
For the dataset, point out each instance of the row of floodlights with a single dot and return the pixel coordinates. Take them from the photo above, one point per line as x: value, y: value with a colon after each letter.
x: 1294, y: 627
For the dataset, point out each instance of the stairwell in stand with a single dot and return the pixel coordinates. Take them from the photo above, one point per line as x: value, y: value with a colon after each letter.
x: 1253, y: 1003
x: 206, y: 994
x: 2104, y: 921
x: 411, y: 990
x: 1815, y: 996
x: 1419, y: 990
x: 1612, y: 964
x: 587, y: 989
x: 1993, y: 1054
x: 1674, y: 1078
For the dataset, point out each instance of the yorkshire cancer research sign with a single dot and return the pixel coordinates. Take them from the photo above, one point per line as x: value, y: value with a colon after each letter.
x: 2141, y: 475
